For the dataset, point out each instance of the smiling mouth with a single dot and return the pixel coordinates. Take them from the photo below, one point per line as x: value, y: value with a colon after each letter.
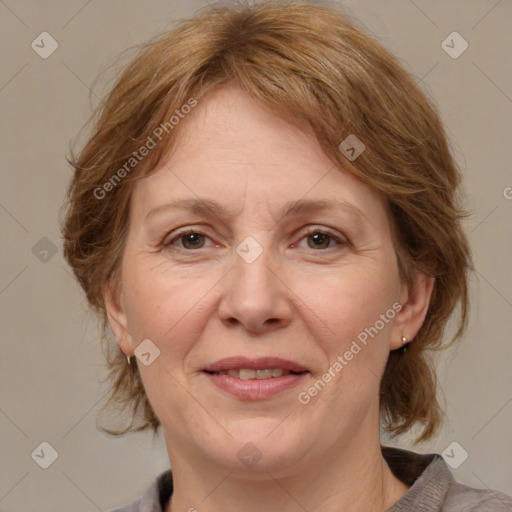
x: 255, y: 379
x: 259, y: 374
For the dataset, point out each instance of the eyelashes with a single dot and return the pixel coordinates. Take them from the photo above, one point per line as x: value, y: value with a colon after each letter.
x: 192, y: 240
x: 320, y: 235
x: 187, y: 234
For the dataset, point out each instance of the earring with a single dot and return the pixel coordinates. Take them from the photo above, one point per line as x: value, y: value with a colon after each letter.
x: 128, y: 359
x: 404, y: 342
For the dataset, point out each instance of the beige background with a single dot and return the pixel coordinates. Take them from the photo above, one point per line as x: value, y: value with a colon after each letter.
x: 50, y: 362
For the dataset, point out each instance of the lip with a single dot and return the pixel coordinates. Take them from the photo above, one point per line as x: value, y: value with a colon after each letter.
x: 255, y: 389
x: 235, y: 362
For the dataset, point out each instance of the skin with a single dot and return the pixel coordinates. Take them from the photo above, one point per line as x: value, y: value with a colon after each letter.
x: 301, y: 299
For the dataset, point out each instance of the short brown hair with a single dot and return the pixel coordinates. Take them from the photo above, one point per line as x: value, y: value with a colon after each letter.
x: 313, y: 66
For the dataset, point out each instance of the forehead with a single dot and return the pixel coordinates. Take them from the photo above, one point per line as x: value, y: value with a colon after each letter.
x: 231, y: 125
x: 233, y: 149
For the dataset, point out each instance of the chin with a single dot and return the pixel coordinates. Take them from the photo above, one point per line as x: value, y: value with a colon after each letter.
x: 257, y: 446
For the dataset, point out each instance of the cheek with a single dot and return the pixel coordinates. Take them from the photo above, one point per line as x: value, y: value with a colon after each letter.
x: 342, y: 309
x: 348, y: 328
x: 351, y: 299
x: 165, y: 306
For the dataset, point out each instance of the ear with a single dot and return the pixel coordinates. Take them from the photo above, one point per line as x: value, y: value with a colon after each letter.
x: 117, y: 318
x: 415, y: 301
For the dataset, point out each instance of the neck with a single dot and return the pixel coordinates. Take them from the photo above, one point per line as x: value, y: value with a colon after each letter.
x: 353, y: 478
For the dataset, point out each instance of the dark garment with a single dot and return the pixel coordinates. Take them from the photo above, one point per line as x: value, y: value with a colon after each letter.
x: 433, y: 488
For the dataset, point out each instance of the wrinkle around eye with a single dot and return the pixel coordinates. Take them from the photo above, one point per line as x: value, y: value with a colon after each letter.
x: 337, y: 242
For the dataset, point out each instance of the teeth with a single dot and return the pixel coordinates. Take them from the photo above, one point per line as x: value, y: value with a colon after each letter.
x: 264, y: 374
x: 249, y: 374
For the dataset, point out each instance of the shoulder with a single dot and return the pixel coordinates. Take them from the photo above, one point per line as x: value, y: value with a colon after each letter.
x: 134, y: 506
x: 469, y: 499
x: 154, y: 497
x: 434, y: 489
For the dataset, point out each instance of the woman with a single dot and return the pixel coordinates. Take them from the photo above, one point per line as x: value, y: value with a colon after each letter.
x: 266, y: 217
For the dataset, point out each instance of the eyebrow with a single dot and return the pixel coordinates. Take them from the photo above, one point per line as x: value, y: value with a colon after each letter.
x: 214, y: 208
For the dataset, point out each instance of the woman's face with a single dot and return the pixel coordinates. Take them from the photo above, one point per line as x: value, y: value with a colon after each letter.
x: 287, y: 257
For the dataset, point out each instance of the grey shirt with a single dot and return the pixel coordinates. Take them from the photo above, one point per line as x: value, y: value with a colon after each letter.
x: 433, y: 488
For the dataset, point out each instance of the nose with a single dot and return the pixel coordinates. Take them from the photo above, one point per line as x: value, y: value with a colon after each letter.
x: 255, y: 296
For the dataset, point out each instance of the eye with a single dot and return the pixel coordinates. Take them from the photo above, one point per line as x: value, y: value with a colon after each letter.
x: 321, y: 239
x: 191, y: 239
